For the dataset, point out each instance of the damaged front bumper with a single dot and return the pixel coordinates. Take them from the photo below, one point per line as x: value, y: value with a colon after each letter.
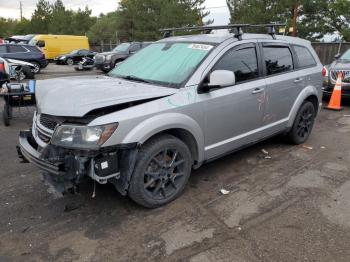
x: 65, y: 168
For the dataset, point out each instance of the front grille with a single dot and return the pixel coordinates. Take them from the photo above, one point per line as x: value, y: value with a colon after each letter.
x: 48, y: 121
x: 345, y: 75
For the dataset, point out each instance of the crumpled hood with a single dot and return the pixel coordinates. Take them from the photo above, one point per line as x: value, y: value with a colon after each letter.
x: 76, y: 96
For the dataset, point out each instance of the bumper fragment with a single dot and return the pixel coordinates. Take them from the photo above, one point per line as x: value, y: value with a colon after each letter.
x: 27, y: 152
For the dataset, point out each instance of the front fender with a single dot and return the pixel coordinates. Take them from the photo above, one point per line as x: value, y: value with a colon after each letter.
x: 159, y: 123
x: 305, y: 93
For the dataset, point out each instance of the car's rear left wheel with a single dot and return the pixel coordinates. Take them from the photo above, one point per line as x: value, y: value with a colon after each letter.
x: 303, y: 124
x: 161, y: 171
x: 36, y: 68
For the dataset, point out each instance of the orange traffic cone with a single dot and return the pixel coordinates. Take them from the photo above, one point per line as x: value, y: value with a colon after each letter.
x: 335, y: 102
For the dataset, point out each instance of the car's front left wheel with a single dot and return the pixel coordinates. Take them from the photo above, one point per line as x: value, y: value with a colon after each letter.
x: 161, y: 171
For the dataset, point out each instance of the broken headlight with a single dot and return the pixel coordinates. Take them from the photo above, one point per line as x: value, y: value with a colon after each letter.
x: 84, y: 137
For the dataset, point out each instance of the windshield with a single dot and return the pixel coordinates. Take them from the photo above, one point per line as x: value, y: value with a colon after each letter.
x: 167, y: 64
x: 122, y: 47
x: 32, y: 41
x: 346, y: 55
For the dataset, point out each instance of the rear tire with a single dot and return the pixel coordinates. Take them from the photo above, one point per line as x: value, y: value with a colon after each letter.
x: 161, y: 172
x: 303, y: 124
x: 37, y: 67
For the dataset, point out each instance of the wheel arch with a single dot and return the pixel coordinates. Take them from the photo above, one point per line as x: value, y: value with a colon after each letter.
x: 181, y: 126
x: 310, y: 93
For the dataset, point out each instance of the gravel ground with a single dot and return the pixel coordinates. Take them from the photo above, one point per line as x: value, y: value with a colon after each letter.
x: 292, y: 207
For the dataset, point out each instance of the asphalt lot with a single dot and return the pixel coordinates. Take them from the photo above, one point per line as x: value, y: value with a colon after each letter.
x: 292, y: 207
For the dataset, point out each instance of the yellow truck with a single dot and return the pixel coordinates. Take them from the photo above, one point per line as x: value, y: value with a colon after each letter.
x: 54, y: 45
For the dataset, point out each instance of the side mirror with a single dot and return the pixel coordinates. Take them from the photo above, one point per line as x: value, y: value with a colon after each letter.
x: 337, y: 56
x: 217, y: 79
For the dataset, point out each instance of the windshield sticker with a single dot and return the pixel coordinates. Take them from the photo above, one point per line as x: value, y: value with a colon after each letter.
x: 200, y: 47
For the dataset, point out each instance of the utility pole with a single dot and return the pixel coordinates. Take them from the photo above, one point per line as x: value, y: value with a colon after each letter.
x: 21, y: 10
x: 295, y: 17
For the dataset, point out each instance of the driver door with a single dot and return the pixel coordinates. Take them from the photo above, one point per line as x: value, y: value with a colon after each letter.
x: 234, y: 114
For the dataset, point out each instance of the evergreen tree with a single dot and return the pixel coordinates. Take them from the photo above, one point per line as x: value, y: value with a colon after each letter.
x: 41, y: 17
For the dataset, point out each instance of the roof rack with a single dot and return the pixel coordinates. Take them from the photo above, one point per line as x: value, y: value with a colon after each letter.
x: 237, y: 28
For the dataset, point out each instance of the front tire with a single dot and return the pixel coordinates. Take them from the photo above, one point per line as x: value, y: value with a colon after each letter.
x: 303, y: 124
x: 70, y: 62
x: 161, y: 171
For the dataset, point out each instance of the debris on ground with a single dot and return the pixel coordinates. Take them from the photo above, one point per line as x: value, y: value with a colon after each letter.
x: 308, y: 147
x: 264, y: 151
x: 26, y: 229
x: 323, y: 147
x: 71, y: 207
x: 346, y: 115
x: 224, y: 191
x: 268, y: 157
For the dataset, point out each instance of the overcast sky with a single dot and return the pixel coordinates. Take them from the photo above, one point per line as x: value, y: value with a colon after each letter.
x: 10, y: 8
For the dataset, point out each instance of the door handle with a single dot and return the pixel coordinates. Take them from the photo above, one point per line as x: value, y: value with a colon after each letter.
x: 257, y: 90
x: 298, y: 80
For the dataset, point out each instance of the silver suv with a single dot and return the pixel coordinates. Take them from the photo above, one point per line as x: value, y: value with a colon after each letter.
x: 176, y: 104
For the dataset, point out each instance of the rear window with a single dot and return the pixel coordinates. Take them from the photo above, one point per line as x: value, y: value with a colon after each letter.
x: 17, y: 49
x: 278, y: 59
x: 305, y: 58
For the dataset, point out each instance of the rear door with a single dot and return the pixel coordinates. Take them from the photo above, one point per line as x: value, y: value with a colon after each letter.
x: 18, y: 52
x: 3, y: 50
x: 283, y: 84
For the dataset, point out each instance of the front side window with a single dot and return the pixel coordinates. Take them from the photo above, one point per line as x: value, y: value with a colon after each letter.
x: 17, y: 49
x: 243, y: 62
x: 168, y: 64
x: 305, y: 58
x: 278, y: 59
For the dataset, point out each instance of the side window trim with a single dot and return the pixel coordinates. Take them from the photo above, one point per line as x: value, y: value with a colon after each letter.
x: 278, y: 44
x: 240, y: 47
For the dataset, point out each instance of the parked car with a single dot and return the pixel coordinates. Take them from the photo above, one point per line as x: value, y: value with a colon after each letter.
x: 22, y: 39
x: 108, y: 60
x: 74, y: 57
x: 341, y: 64
x: 20, y: 70
x: 26, y: 53
x: 55, y: 45
x: 173, y: 106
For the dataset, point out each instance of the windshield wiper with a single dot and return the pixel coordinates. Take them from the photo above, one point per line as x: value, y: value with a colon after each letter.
x: 135, y: 78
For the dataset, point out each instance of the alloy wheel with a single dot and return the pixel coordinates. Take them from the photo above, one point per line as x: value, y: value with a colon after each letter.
x: 164, y: 174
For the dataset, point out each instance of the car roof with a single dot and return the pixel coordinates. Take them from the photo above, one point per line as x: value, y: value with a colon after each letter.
x: 220, y: 38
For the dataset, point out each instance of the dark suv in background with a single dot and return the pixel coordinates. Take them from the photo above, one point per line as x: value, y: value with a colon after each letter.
x: 107, y: 61
x: 26, y: 53
x: 341, y: 65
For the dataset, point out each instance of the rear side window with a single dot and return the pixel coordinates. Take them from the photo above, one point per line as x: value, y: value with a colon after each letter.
x: 278, y: 59
x: 3, y: 49
x: 17, y: 49
x: 305, y: 58
x: 243, y: 62
x: 34, y: 49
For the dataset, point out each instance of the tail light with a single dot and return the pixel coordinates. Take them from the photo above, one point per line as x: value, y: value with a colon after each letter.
x: 2, y: 67
x: 324, y: 72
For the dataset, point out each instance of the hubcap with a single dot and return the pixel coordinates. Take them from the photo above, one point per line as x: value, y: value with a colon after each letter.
x: 164, y: 174
x: 305, y: 123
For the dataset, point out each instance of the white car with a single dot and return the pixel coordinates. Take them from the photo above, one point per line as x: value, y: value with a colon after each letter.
x: 17, y: 69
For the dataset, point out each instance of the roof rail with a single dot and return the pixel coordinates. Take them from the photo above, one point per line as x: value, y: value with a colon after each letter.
x: 238, y: 29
